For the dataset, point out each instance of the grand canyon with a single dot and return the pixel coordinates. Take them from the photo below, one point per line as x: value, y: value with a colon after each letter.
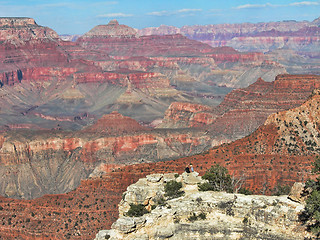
x: 84, y: 117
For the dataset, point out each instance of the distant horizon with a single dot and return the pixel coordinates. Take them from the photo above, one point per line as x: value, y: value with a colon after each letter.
x: 68, y: 34
x: 78, y: 17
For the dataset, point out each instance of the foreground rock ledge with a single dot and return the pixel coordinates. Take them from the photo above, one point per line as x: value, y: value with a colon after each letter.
x: 228, y: 216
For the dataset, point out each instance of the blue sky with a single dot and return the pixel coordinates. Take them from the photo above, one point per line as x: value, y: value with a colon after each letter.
x: 79, y: 16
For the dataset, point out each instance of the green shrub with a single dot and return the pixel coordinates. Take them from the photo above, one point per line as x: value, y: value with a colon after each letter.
x: 218, y: 180
x: 136, y: 210
x: 172, y: 189
x: 281, y: 190
x: 202, y: 216
x: 245, y: 191
x: 176, y: 220
x: 311, y: 213
x: 194, y: 217
x: 161, y: 201
x: 245, y: 220
x: 205, y: 187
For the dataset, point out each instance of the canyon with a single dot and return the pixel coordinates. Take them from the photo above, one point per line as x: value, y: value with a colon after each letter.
x: 83, y: 120
x: 50, y: 81
x: 58, y: 160
x: 275, y: 154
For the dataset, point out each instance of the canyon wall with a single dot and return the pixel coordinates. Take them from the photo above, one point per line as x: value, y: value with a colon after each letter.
x: 249, y: 36
x: 243, y: 110
x: 34, y: 164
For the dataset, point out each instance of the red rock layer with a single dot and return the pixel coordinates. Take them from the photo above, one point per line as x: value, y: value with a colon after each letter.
x: 19, y: 30
x: 154, y: 46
x: 40, y: 56
x: 244, y: 110
x: 146, y: 46
x: 228, y: 54
x: 115, y: 124
x: 34, y: 163
x: 185, y: 115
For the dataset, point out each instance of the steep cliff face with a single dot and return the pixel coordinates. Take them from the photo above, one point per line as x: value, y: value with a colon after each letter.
x: 224, y: 216
x: 43, y: 162
x: 186, y: 115
x: 243, y: 110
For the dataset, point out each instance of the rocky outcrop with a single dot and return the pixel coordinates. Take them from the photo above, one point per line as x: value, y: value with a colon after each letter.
x: 224, y: 216
x: 112, y: 30
x: 299, y: 192
x: 114, y: 124
x: 186, y: 115
x: 17, y: 30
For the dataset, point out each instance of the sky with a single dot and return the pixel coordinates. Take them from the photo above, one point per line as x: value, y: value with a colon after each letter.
x: 79, y: 16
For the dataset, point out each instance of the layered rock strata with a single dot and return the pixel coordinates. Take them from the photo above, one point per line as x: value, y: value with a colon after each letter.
x: 33, y: 164
x: 243, y: 110
x: 249, y: 36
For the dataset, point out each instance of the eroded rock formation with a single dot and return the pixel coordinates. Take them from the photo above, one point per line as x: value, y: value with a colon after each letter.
x: 34, y: 164
x: 224, y: 216
x: 243, y: 110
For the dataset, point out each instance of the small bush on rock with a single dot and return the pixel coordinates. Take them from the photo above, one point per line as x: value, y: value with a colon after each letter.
x: 281, y: 190
x: 202, y: 216
x: 311, y: 213
x: 136, y: 210
x: 172, y: 189
x: 218, y: 180
x: 194, y: 217
x: 245, y: 191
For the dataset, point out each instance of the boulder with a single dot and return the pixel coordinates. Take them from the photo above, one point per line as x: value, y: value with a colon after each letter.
x: 124, y: 225
x: 299, y: 192
x: 154, y: 177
